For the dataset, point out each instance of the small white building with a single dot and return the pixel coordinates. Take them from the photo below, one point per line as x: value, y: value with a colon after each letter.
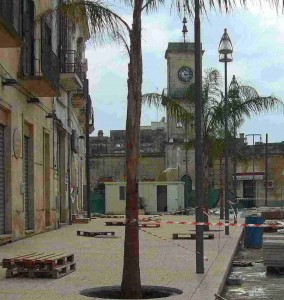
x: 156, y: 196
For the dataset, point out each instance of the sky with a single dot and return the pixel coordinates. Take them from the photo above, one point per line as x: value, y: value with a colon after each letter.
x: 257, y: 35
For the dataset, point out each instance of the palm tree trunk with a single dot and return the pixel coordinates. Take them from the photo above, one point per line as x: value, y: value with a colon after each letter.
x: 131, y: 282
x: 206, y: 184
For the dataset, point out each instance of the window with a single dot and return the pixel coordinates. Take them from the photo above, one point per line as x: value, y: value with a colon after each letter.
x: 122, y: 193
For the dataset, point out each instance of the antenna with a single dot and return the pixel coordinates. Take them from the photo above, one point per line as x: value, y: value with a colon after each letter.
x: 184, y: 21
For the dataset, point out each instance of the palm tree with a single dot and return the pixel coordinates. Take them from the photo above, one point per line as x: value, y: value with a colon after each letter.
x: 105, y: 23
x: 243, y: 102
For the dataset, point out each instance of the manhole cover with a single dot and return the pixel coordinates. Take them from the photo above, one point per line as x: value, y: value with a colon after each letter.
x: 114, y: 292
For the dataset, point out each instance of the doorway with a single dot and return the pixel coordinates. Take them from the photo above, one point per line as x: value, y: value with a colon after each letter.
x: 188, y: 199
x: 62, y: 175
x: 2, y: 179
x: 248, y: 192
x: 162, y: 202
x: 27, y: 169
x: 46, y: 176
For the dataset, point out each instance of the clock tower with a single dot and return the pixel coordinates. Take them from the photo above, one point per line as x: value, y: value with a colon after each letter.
x: 180, y: 74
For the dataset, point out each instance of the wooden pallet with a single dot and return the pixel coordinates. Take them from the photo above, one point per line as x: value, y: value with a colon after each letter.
x: 95, y: 233
x: 43, y: 272
x: 191, y: 236
x: 115, y: 223
x: 32, y: 260
x: 207, y: 231
x: 150, y: 219
x: 112, y: 216
x: 150, y: 225
x: 34, y: 265
x: 81, y: 220
x: 5, y: 239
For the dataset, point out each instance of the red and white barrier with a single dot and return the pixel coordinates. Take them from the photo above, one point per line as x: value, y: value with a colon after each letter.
x: 219, y: 224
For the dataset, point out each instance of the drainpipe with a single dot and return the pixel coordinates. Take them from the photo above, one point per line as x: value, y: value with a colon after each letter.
x: 88, y: 109
x: 69, y: 159
x: 266, y: 166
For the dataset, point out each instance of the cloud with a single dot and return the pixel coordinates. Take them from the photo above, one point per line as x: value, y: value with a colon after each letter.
x: 257, y: 36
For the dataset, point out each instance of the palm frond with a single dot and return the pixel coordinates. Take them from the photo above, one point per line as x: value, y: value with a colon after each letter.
x: 102, y: 23
x: 221, y: 5
x: 173, y: 107
x: 152, y: 5
x: 249, y: 102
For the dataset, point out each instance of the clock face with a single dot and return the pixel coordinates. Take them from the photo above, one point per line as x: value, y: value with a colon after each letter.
x: 185, y: 74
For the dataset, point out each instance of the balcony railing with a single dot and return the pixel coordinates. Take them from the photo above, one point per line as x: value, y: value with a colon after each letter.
x: 91, y: 121
x: 71, y: 63
x: 72, y: 71
x: 40, y: 68
x: 50, y: 64
x: 177, y: 93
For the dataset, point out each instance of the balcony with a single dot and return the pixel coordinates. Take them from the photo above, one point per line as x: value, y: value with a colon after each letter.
x: 78, y: 99
x: 72, y: 73
x: 40, y: 75
x: 82, y: 117
x: 9, y: 30
x: 91, y: 122
x: 177, y: 93
x: 40, y: 67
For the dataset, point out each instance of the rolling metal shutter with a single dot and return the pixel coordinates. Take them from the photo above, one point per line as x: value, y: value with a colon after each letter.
x: 2, y: 181
x: 26, y: 181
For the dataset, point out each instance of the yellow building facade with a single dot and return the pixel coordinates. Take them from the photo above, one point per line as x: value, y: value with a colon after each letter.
x: 42, y: 121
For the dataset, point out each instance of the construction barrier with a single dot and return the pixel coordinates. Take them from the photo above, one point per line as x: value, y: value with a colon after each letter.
x: 219, y: 224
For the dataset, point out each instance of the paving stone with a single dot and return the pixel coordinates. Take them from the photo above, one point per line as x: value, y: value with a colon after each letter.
x: 99, y: 261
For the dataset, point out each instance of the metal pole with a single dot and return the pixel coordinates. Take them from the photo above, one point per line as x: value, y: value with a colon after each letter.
x: 199, y: 145
x: 226, y: 155
x: 266, y: 166
x: 186, y: 154
x: 69, y: 162
x: 253, y: 189
x: 235, y: 173
x: 88, y: 109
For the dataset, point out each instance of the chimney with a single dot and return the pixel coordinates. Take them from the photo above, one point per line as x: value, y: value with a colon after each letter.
x: 100, y: 133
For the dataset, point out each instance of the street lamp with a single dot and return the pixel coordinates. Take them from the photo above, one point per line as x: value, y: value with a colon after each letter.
x: 234, y: 94
x: 199, y: 193
x: 253, y: 140
x: 225, y: 55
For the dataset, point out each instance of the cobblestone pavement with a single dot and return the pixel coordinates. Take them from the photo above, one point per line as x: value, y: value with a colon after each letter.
x: 167, y: 262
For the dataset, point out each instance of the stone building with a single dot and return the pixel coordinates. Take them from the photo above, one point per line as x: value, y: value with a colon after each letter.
x: 162, y: 153
x: 108, y: 154
x: 43, y: 93
x: 260, y: 174
x: 164, y: 157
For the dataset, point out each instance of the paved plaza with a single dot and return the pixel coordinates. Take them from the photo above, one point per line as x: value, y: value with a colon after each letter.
x: 163, y: 262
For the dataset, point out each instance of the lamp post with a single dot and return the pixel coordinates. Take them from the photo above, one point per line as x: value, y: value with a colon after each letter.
x: 253, y: 142
x: 225, y: 55
x: 234, y: 94
x: 199, y: 193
